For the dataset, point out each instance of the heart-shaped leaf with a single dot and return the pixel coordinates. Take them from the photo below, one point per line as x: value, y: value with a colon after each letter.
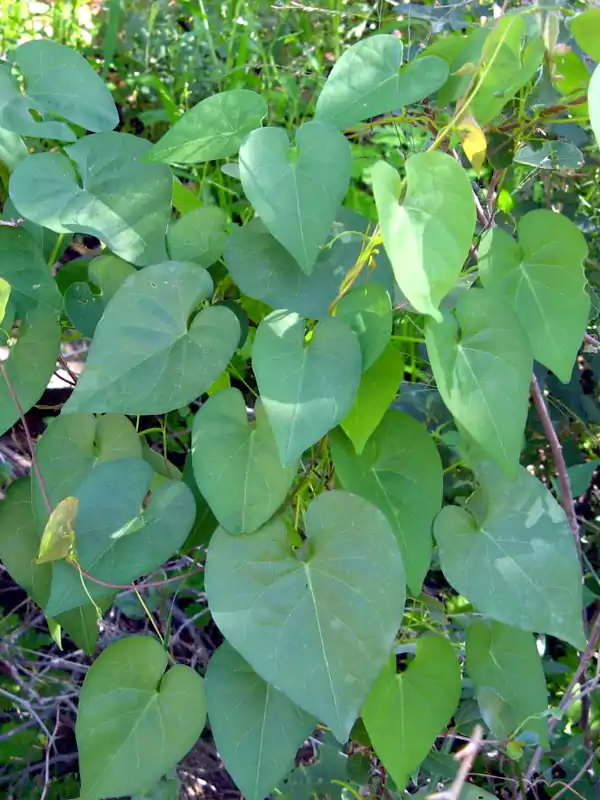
x: 164, y: 360
x: 12, y: 148
x: 306, y: 388
x: 71, y: 446
x: 199, y: 236
x: 507, y: 660
x: 122, y: 200
x: 368, y: 311
x: 19, y: 546
x: 85, y: 307
x: 16, y: 117
x: 405, y: 713
x: 482, y: 365
x: 136, y: 717
x: 297, y: 193
x: 318, y: 630
x: 214, y: 128
x: 264, y: 270
x: 117, y: 539
x: 257, y: 730
x: 48, y: 67
x: 23, y: 266
x: 236, y: 464
x: 428, y: 235
x: 367, y: 80
x: 511, y: 553
x: 30, y: 363
x: 379, y: 386
x: 400, y: 472
x: 543, y: 279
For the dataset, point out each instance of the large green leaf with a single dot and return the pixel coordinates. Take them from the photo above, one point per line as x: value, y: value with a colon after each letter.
x: 511, y: 553
x: 165, y: 360
x: 367, y: 81
x: 594, y: 103
x: 405, y: 713
x: 379, y: 386
x: 30, y: 363
x: 297, y: 191
x: 236, y: 464
x: 264, y: 270
x: 12, y: 148
x: 482, y: 365
x: 16, y: 116
x: 117, y: 538
x: 214, y: 128
x: 122, y: 200
x: 135, y: 721
x: 368, y: 311
x: 23, y: 266
x: 400, y: 472
x: 257, y: 730
x: 427, y: 233
x: 306, y: 388
x: 72, y: 446
x: 199, y: 236
x: 61, y: 82
x: 317, y: 629
x: 586, y: 30
x: 19, y: 545
x: 543, y: 279
x: 506, y: 659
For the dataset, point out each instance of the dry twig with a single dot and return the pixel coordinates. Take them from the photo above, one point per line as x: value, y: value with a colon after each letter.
x: 466, y: 756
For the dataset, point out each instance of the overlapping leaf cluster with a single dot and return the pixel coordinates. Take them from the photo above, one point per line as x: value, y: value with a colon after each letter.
x: 309, y: 594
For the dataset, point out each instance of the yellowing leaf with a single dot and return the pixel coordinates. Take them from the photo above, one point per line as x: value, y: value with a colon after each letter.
x: 58, y: 537
x: 4, y: 295
x: 473, y: 141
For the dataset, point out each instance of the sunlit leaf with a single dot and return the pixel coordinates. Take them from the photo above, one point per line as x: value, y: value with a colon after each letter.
x: 58, y: 537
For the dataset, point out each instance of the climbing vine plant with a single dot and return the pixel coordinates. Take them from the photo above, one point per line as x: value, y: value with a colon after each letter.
x: 314, y: 504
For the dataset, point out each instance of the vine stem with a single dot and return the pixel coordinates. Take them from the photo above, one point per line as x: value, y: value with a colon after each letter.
x: 564, y: 483
x: 466, y: 756
x: 47, y: 502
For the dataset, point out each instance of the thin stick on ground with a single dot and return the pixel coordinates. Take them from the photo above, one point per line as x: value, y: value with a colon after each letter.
x: 466, y: 756
x: 566, y: 497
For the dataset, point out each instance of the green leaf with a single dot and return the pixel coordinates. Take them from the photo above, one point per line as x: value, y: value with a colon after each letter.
x: 30, y: 363
x: 123, y: 201
x: 297, y: 191
x: 594, y: 103
x: 19, y: 545
x: 506, y: 659
x: 428, y: 236
x: 117, y: 538
x: 236, y: 464
x: 586, y: 31
x: 58, y: 537
x: 318, y: 630
x: 552, y: 155
x: 165, y: 361
x: 482, y: 365
x: 368, y: 311
x: 367, y: 81
x: 306, y: 388
x: 379, y: 386
x: 205, y: 523
x: 23, y: 266
x: 400, y: 472
x: 405, y: 713
x: 71, y: 446
x: 321, y: 777
x: 264, y: 270
x: 84, y: 307
x: 511, y: 553
x: 61, y: 82
x: 136, y: 719
x: 257, y: 730
x: 4, y: 298
x: 16, y: 117
x: 199, y: 236
x: 542, y: 277
x: 212, y: 129
x: 12, y: 148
